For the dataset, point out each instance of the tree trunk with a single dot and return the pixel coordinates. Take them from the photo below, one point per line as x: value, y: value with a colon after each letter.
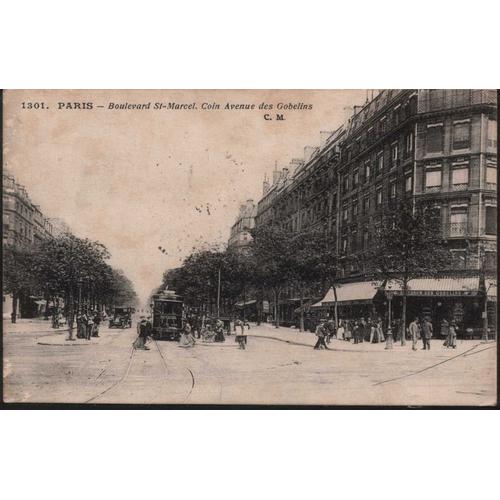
x: 301, y: 326
x: 403, y: 319
x: 13, y: 316
x: 335, y: 306
x: 276, y: 309
x: 71, y: 315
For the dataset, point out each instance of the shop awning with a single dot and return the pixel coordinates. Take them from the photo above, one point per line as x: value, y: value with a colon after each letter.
x: 355, y: 293
x: 445, y: 287
x: 308, y: 305
x: 491, y: 289
x: 318, y: 304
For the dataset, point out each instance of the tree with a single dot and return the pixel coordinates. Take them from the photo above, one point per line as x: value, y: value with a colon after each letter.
x: 272, y: 250
x: 74, y: 268
x: 314, y: 260
x: 19, y: 280
x: 408, y: 244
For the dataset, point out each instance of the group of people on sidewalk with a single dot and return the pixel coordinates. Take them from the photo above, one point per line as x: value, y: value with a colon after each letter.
x: 87, y: 324
x: 358, y: 331
x: 372, y: 331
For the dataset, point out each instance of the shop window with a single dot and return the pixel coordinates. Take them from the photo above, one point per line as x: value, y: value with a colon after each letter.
x: 433, y: 179
x: 461, y: 134
x: 434, y: 138
x: 491, y: 220
x: 460, y: 177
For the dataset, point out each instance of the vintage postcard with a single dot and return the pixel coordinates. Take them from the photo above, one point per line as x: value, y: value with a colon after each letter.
x: 263, y: 247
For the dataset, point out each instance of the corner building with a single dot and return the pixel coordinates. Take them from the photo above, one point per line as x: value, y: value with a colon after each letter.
x: 437, y: 147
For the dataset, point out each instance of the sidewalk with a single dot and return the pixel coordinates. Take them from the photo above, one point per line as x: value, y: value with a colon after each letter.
x: 308, y: 339
x: 35, y: 325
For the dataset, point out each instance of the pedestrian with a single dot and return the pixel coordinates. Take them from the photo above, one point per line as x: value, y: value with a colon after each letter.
x: 414, y: 329
x: 348, y: 330
x: 452, y: 335
x: 219, y: 331
x: 340, y: 331
x: 239, y: 330
x: 89, y: 326
x: 187, y: 339
x: 355, y: 332
x: 329, y: 329
x: 320, y: 333
x: 445, y: 331
x: 363, y: 327
x: 143, y: 333
x: 389, y: 341
x: 426, y: 334
x: 97, y: 322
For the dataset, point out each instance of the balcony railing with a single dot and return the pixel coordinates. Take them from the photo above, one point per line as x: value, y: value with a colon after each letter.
x: 460, y: 187
x: 457, y: 229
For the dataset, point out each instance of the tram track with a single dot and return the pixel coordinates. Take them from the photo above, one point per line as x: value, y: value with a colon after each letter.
x: 167, y: 369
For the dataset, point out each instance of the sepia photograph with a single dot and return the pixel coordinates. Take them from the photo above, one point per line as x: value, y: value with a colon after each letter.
x: 250, y: 247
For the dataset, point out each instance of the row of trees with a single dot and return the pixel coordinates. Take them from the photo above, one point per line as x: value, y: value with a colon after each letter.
x: 66, y: 267
x: 407, y: 244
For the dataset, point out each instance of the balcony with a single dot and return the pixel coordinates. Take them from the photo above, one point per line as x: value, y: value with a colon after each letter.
x: 457, y: 230
x: 460, y: 187
x: 491, y: 186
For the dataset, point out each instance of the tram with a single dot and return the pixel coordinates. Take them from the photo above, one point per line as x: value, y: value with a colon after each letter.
x: 168, y: 315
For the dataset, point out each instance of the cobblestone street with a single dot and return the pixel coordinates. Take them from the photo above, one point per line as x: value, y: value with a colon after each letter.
x: 279, y: 366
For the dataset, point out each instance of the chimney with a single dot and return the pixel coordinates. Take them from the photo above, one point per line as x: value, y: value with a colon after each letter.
x: 276, y: 175
x: 265, y: 186
x: 348, y: 111
x: 323, y: 137
x: 308, y: 152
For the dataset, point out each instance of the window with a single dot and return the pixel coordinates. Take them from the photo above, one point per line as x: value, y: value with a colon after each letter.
x: 344, y: 244
x: 461, y: 134
x: 392, y: 189
x: 460, y: 177
x: 491, y: 176
x: 458, y: 259
x: 409, y: 183
x: 436, y: 99
x: 380, y: 162
x: 379, y: 196
x: 434, y: 138
x: 394, y: 154
x: 458, y: 221
x: 346, y: 183
x: 366, y: 204
x: 433, y: 179
x: 492, y: 133
x: 354, y: 238
x: 345, y: 212
x: 355, y: 179
x: 366, y: 239
x: 367, y: 171
x: 491, y: 220
x: 355, y: 209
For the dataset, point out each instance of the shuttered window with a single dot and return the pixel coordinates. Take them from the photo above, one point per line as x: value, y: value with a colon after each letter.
x: 491, y: 220
x: 461, y: 135
x: 434, y: 138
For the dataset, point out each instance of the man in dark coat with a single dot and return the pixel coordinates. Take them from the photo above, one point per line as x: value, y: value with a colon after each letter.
x: 426, y: 333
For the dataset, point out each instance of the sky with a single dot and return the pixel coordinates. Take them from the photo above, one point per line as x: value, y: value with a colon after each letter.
x: 136, y: 180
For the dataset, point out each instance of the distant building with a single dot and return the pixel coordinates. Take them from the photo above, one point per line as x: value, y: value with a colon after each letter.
x: 24, y: 225
x: 240, y: 231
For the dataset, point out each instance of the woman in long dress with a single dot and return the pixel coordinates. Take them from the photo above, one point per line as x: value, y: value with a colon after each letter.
x: 187, y: 339
x: 348, y: 331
